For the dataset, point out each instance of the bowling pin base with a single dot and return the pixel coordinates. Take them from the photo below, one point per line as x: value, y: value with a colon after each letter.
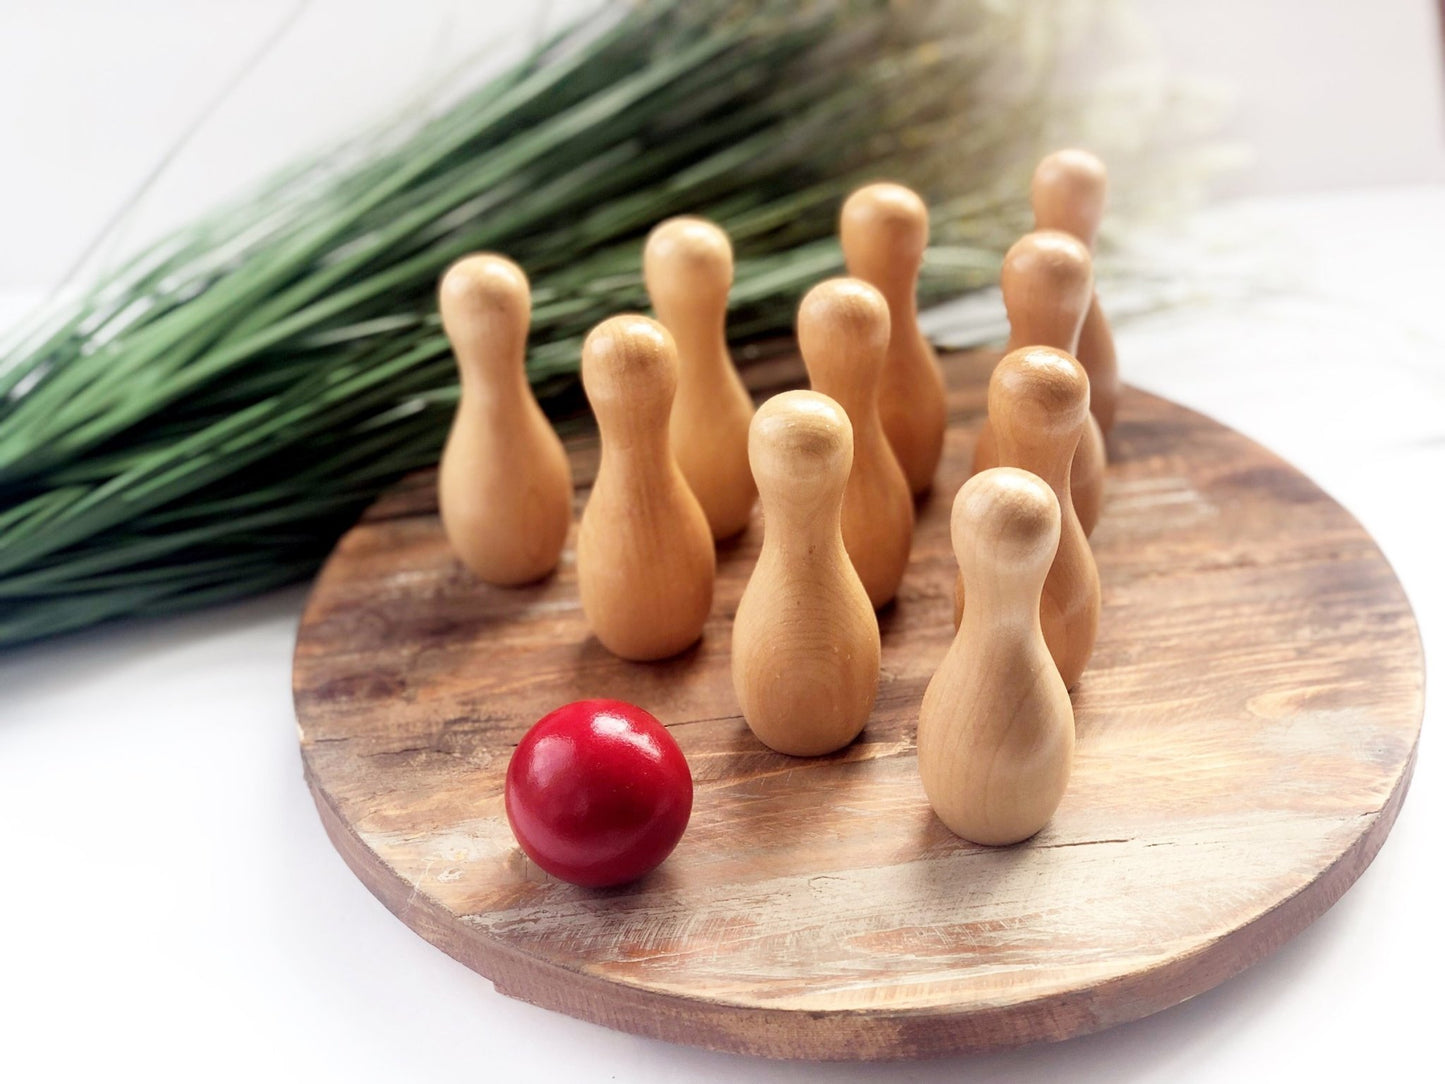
x: 1231, y: 777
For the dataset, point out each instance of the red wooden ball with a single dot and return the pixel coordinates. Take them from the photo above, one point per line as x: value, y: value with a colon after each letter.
x: 598, y: 792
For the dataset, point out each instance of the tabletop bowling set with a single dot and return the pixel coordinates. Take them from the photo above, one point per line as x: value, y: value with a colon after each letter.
x: 684, y: 457
x: 1197, y: 800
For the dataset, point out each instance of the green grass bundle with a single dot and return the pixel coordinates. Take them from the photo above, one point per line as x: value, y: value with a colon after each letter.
x: 203, y: 422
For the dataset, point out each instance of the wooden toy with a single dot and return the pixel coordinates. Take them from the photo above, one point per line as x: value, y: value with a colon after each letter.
x: 817, y: 908
x: 598, y: 792
x: 1068, y: 193
x: 883, y: 230
x: 645, y: 560
x: 1038, y: 402
x: 996, y: 730
x: 805, y: 640
x: 504, y: 486
x: 1047, y: 283
x: 688, y: 266
x: 843, y: 337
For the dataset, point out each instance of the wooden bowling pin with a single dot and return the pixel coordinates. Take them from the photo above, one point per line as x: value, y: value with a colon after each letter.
x: 843, y: 336
x: 805, y: 645
x: 504, y: 486
x: 688, y: 266
x: 645, y: 559
x: 1038, y: 402
x: 884, y: 230
x: 996, y: 729
x: 1068, y: 193
x: 1047, y: 283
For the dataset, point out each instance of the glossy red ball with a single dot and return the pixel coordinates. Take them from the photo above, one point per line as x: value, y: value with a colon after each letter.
x: 598, y: 793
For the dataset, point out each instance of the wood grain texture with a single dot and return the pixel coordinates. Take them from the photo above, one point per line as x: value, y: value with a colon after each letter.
x: 1246, y: 733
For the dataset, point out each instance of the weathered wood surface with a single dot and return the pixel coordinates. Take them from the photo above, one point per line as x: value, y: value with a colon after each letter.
x: 1246, y: 733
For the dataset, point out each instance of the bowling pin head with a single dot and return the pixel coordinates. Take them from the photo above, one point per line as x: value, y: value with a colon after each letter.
x: 800, y: 446
x: 1047, y: 283
x: 629, y: 371
x: 687, y: 264
x: 1068, y: 193
x: 1038, y: 400
x: 1005, y: 529
x: 486, y: 307
x: 884, y: 229
x: 843, y: 329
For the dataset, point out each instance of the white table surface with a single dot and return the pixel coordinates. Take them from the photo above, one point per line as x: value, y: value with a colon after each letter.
x: 171, y: 905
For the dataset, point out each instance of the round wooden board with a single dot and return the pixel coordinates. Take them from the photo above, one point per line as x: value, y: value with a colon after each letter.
x: 1246, y: 733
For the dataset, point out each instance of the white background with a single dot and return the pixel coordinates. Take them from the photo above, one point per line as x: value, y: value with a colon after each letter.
x: 169, y: 905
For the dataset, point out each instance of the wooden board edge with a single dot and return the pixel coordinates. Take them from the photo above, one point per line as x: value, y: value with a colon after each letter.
x: 860, y: 1035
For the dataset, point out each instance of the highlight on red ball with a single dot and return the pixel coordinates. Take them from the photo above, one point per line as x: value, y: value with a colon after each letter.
x: 598, y: 793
